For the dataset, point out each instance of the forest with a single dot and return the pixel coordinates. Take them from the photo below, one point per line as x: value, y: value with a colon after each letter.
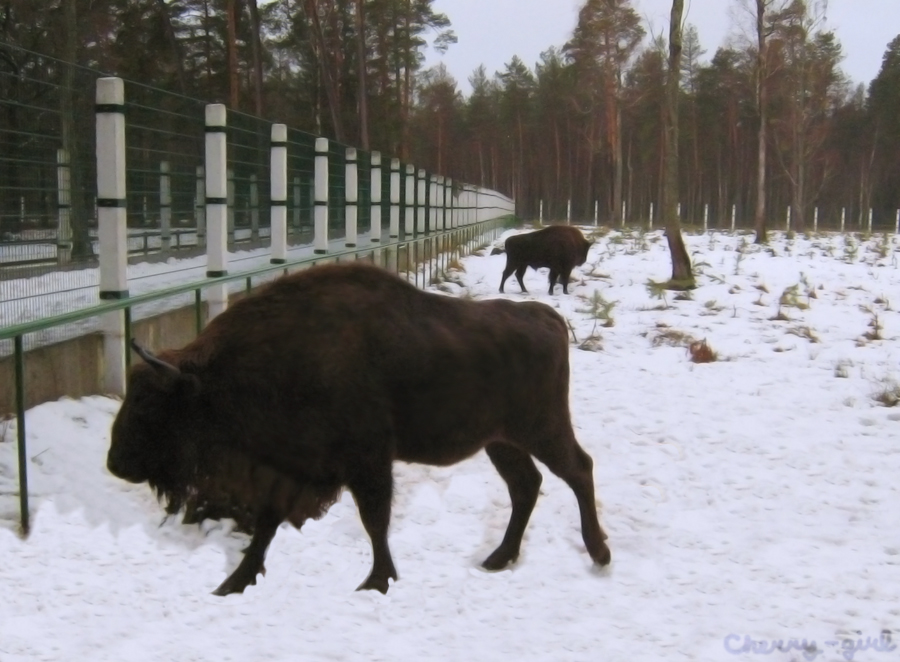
x: 585, y: 123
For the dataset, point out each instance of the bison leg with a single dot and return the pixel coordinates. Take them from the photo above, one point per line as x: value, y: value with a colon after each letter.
x: 506, y: 273
x: 254, y: 556
x: 553, y: 277
x: 373, y: 494
x: 564, y: 280
x: 567, y: 459
x: 520, y: 276
x: 524, y: 482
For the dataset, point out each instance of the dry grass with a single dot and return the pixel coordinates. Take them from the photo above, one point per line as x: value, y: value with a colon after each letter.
x: 875, y: 329
x: 672, y: 338
x: 456, y: 265
x: 701, y: 352
x: 842, y: 368
x: 889, y: 396
x: 593, y: 343
x: 804, y: 332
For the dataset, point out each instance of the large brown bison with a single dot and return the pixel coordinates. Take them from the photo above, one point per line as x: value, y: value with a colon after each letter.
x: 324, y: 378
x: 559, y: 247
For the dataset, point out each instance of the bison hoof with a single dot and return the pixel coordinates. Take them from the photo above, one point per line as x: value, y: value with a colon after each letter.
x: 499, y: 560
x: 237, y: 582
x: 602, y: 556
x: 379, y: 584
x: 228, y: 587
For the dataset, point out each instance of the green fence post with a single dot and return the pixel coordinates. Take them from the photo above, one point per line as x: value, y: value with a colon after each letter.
x: 20, y: 431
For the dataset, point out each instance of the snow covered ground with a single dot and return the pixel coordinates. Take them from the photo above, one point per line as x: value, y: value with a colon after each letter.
x: 748, y: 501
x: 24, y: 300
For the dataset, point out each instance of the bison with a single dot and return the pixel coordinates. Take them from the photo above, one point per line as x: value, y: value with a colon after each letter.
x: 559, y: 247
x: 324, y: 378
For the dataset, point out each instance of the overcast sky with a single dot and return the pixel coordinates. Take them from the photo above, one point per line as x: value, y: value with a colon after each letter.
x: 490, y: 32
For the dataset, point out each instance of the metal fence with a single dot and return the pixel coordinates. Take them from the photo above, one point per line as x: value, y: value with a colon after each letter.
x: 48, y: 211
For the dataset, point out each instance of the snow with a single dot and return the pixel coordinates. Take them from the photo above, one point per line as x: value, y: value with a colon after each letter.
x: 752, y: 497
x: 24, y: 300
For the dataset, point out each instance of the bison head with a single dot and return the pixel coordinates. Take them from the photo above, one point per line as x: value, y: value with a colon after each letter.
x: 586, y: 248
x: 151, y: 439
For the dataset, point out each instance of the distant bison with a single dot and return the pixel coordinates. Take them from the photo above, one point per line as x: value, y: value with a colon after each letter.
x: 324, y: 378
x: 559, y: 247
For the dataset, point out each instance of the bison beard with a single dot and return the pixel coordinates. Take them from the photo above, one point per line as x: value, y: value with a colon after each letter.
x: 560, y: 248
x: 324, y: 378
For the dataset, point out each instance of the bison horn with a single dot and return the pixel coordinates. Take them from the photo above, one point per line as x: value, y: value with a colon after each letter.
x: 158, y: 364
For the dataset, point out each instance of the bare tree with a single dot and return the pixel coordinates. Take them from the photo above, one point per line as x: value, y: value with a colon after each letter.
x: 256, y: 45
x: 231, y: 14
x: 363, y: 93
x: 682, y: 273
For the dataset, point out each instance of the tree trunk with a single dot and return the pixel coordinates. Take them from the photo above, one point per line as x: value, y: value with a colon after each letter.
x: 618, y: 164
x: 257, y: 58
x: 363, y: 91
x: 762, y: 103
x: 328, y: 81
x: 173, y: 44
x: 81, y: 239
x: 406, y: 99
x: 682, y: 273
x: 231, y: 49
x: 207, y: 49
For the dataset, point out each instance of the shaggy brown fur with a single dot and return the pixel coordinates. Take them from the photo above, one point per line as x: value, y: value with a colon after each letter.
x: 324, y: 378
x: 561, y: 248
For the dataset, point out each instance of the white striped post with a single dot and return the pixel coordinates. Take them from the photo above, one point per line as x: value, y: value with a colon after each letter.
x: 787, y: 224
x: 200, y: 204
x: 421, y: 227
x: 409, y: 212
x: 442, y: 203
x: 453, y: 204
x: 165, y: 205
x: 677, y: 211
x: 541, y: 213
x: 596, y: 212
x: 569, y: 212
x: 254, y: 207
x: 816, y: 219
x: 870, y: 220
x: 651, y: 216
x: 733, y: 216
x: 375, y: 198
x: 229, y: 200
x: 623, y: 213
x: 112, y: 226
x: 479, y: 213
x: 320, y: 240
x: 278, y: 192
x: 897, y: 223
x: 448, y: 203
x: 297, y: 200
x: 217, y: 211
x: 394, y: 229
x: 432, y: 203
x: 351, y: 198
x: 706, y: 217
x: 843, y: 218
x: 463, y: 205
x: 63, y: 207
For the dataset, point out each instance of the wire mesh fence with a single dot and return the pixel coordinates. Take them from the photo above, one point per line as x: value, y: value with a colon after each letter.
x: 47, y: 225
x: 301, y: 194
x: 48, y: 202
